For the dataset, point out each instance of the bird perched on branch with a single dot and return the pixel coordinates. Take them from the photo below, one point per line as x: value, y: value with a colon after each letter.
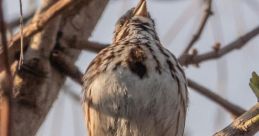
x: 135, y: 87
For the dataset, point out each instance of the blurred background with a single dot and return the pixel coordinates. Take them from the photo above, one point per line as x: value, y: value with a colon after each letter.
x: 176, y: 21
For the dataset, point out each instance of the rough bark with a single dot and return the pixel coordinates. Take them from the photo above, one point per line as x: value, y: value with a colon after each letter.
x: 245, y: 125
x: 37, y: 82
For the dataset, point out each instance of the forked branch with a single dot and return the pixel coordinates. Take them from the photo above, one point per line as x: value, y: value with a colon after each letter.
x: 204, y: 20
x: 237, y: 44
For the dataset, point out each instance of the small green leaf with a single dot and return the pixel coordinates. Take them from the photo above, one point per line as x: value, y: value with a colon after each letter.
x: 254, y: 84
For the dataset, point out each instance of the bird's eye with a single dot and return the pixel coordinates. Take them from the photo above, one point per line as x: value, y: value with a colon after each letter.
x: 120, y: 25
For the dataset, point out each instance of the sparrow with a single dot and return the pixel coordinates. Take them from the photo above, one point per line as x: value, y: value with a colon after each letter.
x: 135, y: 86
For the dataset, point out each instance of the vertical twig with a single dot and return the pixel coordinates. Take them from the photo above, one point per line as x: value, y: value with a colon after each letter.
x: 6, y: 93
x: 21, y: 34
x: 204, y: 21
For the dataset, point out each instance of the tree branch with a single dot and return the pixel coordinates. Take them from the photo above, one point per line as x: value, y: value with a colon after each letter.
x: 51, y: 82
x: 204, y: 20
x: 4, y: 44
x: 230, y: 107
x: 5, y: 88
x: 38, y: 24
x: 245, y: 125
x: 237, y: 44
x: 81, y: 44
x: 248, y: 123
x: 65, y: 65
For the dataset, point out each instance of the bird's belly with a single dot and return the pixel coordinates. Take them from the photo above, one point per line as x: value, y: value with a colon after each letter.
x: 123, y: 104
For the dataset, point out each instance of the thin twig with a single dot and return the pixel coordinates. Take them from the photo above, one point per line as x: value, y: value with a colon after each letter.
x: 21, y: 34
x: 5, y: 97
x: 237, y: 44
x: 204, y: 20
x: 230, y: 107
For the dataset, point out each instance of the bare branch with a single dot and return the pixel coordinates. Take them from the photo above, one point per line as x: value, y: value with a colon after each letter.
x: 204, y: 20
x: 82, y: 44
x: 6, y: 90
x: 245, y: 125
x: 237, y: 44
x: 90, y: 46
x: 38, y: 24
x: 230, y: 107
x: 88, y: 13
x: 66, y: 66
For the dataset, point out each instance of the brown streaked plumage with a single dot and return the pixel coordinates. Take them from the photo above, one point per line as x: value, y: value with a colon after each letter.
x: 135, y: 87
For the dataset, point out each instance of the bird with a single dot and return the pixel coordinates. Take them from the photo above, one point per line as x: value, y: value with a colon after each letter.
x: 135, y: 86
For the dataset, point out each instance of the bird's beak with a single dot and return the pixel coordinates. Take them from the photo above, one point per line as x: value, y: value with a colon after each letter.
x: 141, y: 9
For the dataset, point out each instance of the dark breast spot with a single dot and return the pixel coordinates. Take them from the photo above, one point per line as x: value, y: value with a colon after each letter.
x: 138, y: 68
x: 136, y: 60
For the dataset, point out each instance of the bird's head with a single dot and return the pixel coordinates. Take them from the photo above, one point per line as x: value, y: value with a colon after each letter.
x: 135, y: 17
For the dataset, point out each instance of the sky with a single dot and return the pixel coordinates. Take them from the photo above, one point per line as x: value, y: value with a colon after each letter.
x: 176, y: 23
